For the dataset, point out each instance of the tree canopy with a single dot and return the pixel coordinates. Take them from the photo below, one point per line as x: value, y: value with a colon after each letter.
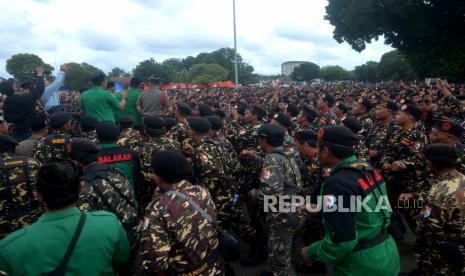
x: 118, y: 72
x: 21, y: 66
x: 334, y: 73
x: 78, y: 75
x: 430, y: 33
x: 205, y: 73
x: 306, y: 72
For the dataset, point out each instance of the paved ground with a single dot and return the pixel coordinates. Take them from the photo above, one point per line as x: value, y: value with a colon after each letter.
x: 405, y: 250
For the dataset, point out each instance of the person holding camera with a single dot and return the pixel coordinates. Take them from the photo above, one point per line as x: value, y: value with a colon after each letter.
x: 19, y: 109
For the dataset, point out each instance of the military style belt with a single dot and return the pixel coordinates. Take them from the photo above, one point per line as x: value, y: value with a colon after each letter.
x: 371, y: 242
x: 208, y: 263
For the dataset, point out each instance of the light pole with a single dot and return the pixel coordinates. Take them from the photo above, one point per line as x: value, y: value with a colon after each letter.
x: 236, y: 75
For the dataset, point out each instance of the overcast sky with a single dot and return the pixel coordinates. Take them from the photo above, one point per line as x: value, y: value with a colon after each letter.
x: 122, y: 33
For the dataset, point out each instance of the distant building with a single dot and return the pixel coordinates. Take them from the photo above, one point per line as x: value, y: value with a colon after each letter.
x: 288, y: 67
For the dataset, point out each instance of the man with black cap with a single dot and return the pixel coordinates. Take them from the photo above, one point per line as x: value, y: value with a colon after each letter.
x: 121, y: 158
x: 130, y: 137
x: 340, y: 110
x: 39, y: 130
x: 292, y: 111
x: 308, y: 117
x: 403, y: 163
x: 283, y: 121
x: 439, y: 244
x: 180, y: 131
x: 95, y: 240
x: 327, y: 117
x: 449, y: 132
x: 184, y: 242
x: 99, y: 103
x: 154, y: 129
x: 355, y: 242
x: 104, y: 187
x: 361, y: 110
x: 385, y: 126
x: 280, y: 176
x: 130, y: 110
x: 17, y: 186
x: 88, y: 125
x: 153, y: 102
x: 361, y: 150
x: 54, y: 145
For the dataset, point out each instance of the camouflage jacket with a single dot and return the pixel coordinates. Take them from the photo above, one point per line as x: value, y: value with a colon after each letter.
x: 407, y: 146
x: 244, y: 137
x: 280, y: 176
x: 19, y: 207
x: 131, y: 138
x: 327, y: 119
x: 367, y: 124
x: 448, y: 108
x: 461, y: 161
x: 180, y: 132
x: 106, y: 189
x: 443, y: 215
x: 175, y: 236
x: 379, y: 141
x: 153, y: 145
x: 90, y: 135
x: 232, y: 165
x: 52, y: 146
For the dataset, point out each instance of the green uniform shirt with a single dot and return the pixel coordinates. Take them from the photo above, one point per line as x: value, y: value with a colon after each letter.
x: 39, y: 248
x: 121, y: 158
x: 344, y: 230
x: 130, y: 110
x: 100, y: 104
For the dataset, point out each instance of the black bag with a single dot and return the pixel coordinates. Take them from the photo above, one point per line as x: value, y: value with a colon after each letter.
x: 228, y: 244
x: 61, y: 269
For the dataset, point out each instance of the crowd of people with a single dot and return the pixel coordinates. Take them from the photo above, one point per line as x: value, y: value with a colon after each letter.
x: 146, y: 181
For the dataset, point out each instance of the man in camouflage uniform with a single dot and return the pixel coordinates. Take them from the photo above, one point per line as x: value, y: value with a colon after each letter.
x: 361, y: 110
x: 184, y: 242
x: 104, y: 188
x: 448, y: 105
x: 327, y: 117
x: 180, y: 131
x: 280, y: 176
x: 17, y: 185
x: 308, y: 118
x: 449, y: 132
x: 130, y: 137
x: 403, y: 163
x: 70, y: 101
x: 440, y: 247
x: 384, y: 128
x: 154, y: 128
x: 360, y: 150
x: 55, y: 145
x: 88, y: 125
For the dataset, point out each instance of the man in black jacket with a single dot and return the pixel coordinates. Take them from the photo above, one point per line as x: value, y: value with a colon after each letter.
x: 19, y: 109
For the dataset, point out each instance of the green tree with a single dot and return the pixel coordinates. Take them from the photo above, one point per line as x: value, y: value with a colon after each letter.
x: 431, y: 33
x: 147, y: 68
x: 335, y: 73
x: 367, y: 72
x: 394, y: 66
x: 21, y: 66
x: 78, y: 75
x: 205, y: 73
x: 118, y: 72
x: 306, y: 72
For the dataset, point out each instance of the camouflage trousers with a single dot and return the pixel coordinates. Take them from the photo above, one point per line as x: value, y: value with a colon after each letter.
x: 434, y: 260
x: 280, y: 249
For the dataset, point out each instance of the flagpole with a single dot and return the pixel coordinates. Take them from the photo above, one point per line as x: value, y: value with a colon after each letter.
x: 236, y: 75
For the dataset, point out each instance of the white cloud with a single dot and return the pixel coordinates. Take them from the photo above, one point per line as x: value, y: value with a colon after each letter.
x: 122, y: 33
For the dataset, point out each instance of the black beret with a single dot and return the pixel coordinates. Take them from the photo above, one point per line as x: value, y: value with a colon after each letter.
x: 199, y: 124
x: 59, y: 118
x: 170, y: 122
x: 220, y: 113
x: 241, y: 107
x: 365, y: 102
x: 155, y: 124
x: 215, y: 121
x: 310, y: 112
x: 171, y: 166
x: 98, y: 78
x: 107, y: 131
x: 259, y: 111
x: 82, y: 148
x: 412, y: 110
x: 126, y: 120
x: 271, y: 132
x: 292, y: 109
x: 340, y: 136
x: 88, y: 122
x: 449, y: 126
x: 7, y: 142
x: 38, y: 123
x: 342, y: 107
x: 204, y: 110
x: 306, y: 135
x: 283, y: 119
x: 353, y: 123
x: 442, y: 153
x: 184, y: 109
x: 389, y: 105
x: 329, y: 100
